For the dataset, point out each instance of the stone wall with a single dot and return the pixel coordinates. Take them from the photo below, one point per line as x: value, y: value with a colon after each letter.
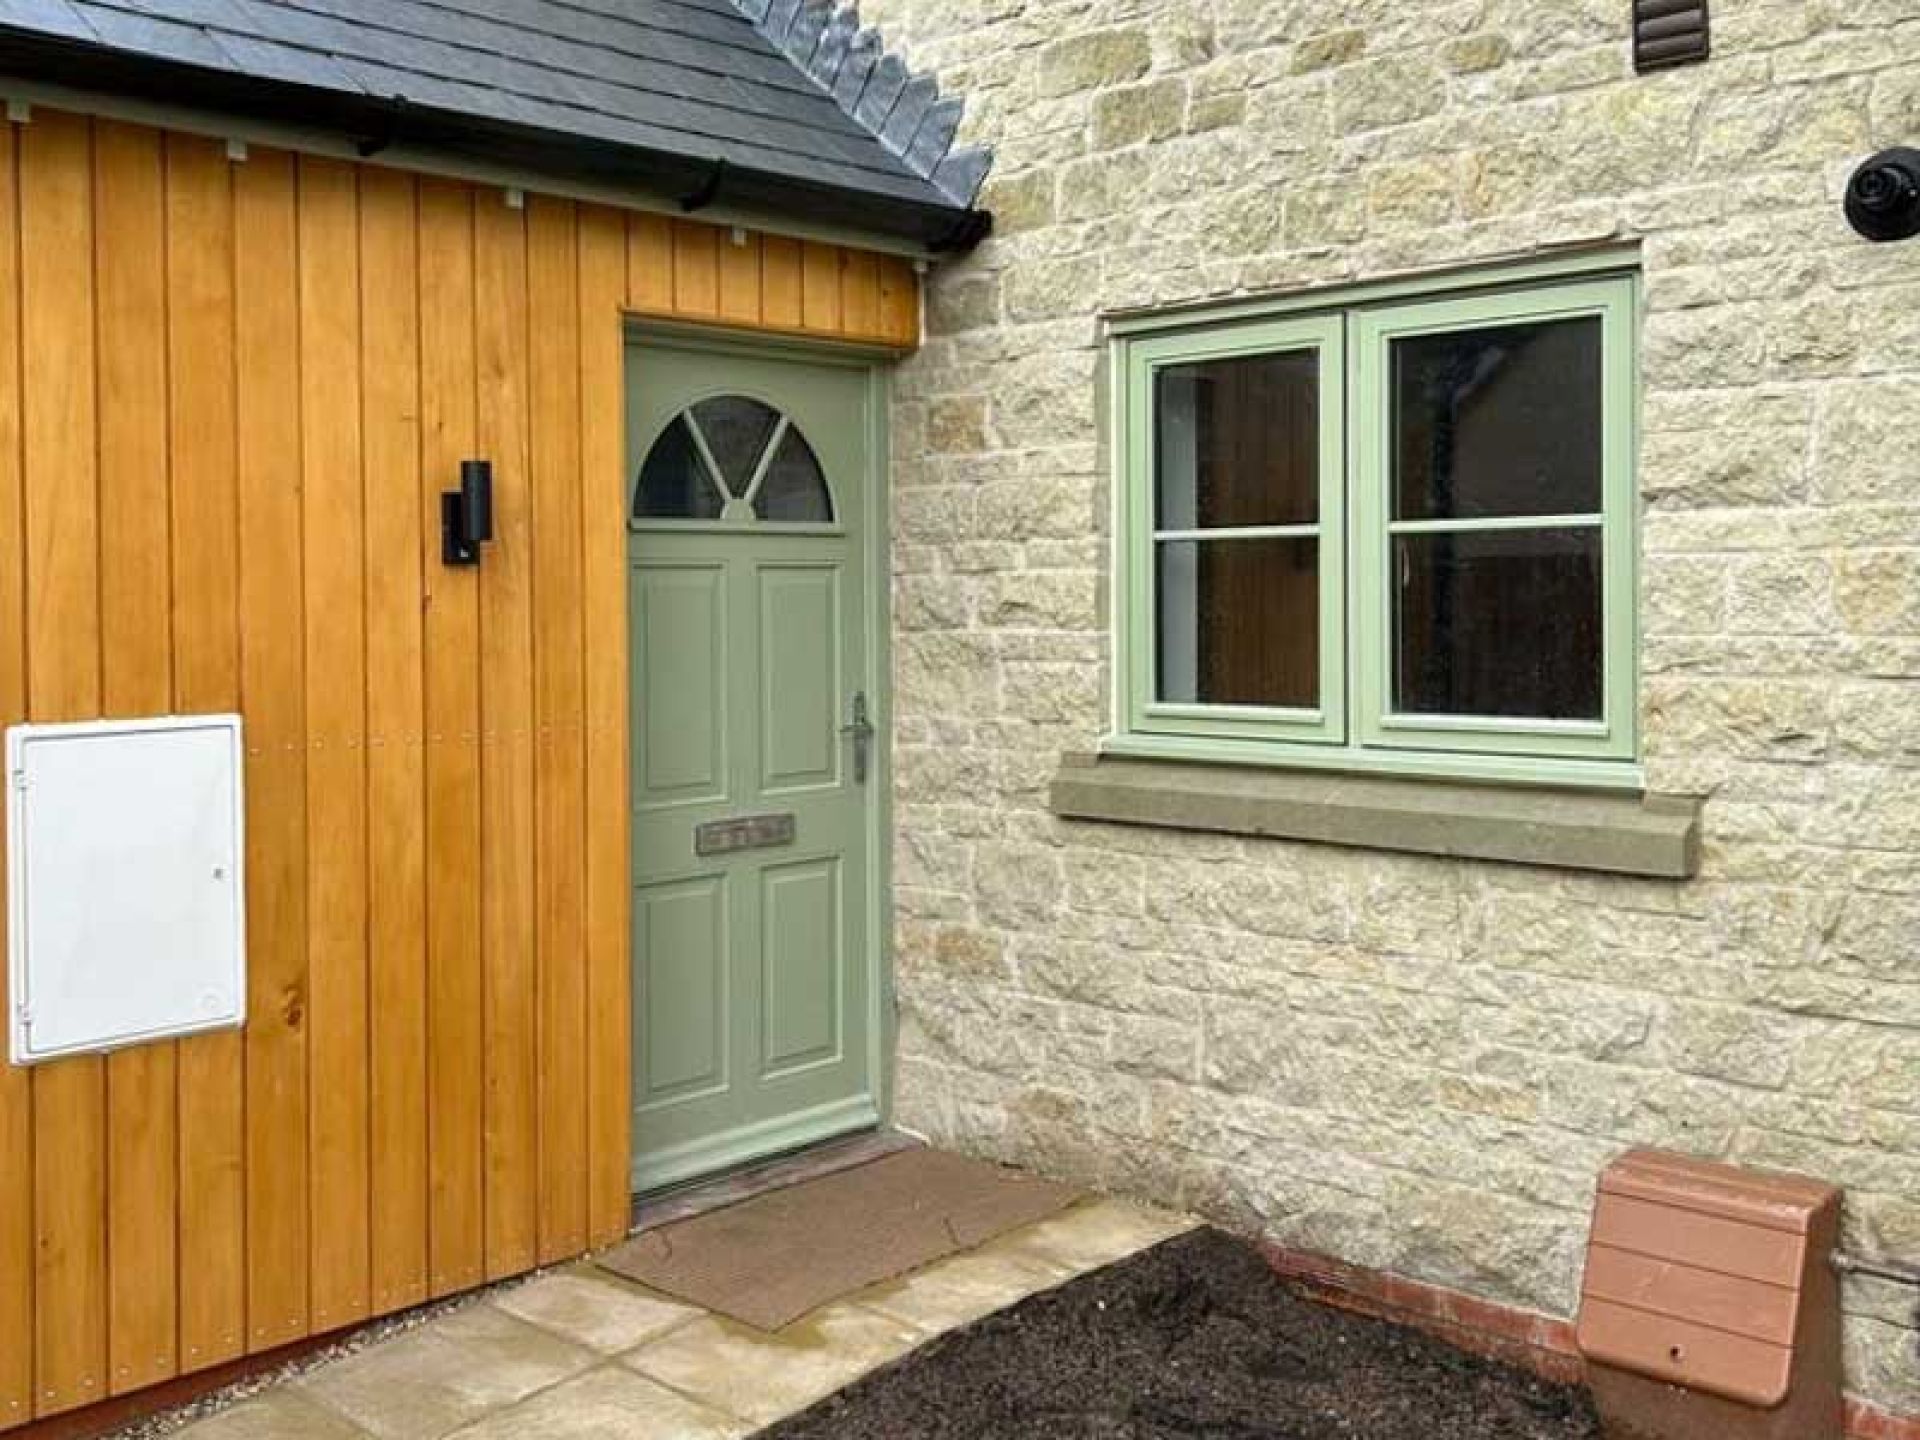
x: 1410, y: 1063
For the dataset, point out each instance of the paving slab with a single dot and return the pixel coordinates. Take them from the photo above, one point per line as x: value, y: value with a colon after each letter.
x: 605, y: 1315
x: 1097, y: 1233
x: 762, y: 1377
x: 430, y: 1382
x: 580, y: 1354
x: 963, y: 1289
x: 275, y: 1415
x: 608, y: 1404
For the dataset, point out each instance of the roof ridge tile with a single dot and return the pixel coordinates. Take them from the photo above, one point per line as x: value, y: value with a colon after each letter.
x: 835, y: 42
x: 902, y: 108
x: 862, y: 55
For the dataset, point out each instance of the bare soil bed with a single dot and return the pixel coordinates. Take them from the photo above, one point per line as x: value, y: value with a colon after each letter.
x: 1197, y: 1339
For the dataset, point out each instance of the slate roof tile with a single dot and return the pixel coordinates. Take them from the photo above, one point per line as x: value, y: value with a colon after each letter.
x: 788, y: 89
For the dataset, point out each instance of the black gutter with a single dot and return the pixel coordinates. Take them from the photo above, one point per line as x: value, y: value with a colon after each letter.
x: 374, y: 125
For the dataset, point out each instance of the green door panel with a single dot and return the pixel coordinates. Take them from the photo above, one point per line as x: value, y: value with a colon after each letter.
x: 682, y: 929
x: 802, y: 682
x: 804, y: 949
x: 680, y: 664
x: 756, y: 970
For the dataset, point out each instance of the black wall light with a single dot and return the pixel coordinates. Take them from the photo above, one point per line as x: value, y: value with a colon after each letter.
x: 1883, y: 198
x: 466, y: 514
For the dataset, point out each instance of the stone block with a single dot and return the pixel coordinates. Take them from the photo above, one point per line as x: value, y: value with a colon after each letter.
x: 1091, y: 60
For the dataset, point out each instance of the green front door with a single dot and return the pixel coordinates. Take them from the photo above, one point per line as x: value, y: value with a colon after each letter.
x: 750, y: 487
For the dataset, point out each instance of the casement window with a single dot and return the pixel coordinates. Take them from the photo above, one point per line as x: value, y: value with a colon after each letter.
x: 1391, y: 532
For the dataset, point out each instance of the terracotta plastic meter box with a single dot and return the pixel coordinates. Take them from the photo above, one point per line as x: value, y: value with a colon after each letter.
x: 1710, y: 1309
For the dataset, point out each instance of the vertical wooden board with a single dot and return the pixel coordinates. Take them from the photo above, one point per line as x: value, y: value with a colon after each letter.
x: 332, y: 525
x: 506, y: 752
x: 57, y: 344
x: 553, y: 284
x: 740, y: 278
x: 860, y: 294
x: 16, y: 1094
x: 201, y: 368
x: 206, y: 605
x: 899, y: 302
x: 604, y: 586
x: 137, y: 680
x: 820, y: 287
x: 650, y: 264
x: 273, y: 682
x: 396, y: 762
x: 780, y: 284
x: 696, y: 270
x: 213, y: 1200
x: 455, y: 1002
x: 131, y: 273
x: 63, y: 683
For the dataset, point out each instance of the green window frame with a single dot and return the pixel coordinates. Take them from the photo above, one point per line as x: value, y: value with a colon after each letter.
x: 1356, y: 723
x: 1321, y: 337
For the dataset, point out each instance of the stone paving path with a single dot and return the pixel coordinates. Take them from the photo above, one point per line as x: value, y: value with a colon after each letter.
x: 583, y: 1355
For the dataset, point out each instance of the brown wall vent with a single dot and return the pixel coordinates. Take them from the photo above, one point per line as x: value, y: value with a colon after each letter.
x: 1669, y: 32
x: 1710, y: 1305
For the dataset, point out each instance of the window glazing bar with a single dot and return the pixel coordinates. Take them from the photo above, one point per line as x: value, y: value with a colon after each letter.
x: 1495, y: 522
x: 1243, y: 532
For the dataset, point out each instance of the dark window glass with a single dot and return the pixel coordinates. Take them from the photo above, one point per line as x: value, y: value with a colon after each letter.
x: 1239, y: 622
x: 795, y: 490
x: 737, y: 431
x: 1504, y: 623
x: 674, y: 484
x: 1504, y: 421
x: 1238, y: 442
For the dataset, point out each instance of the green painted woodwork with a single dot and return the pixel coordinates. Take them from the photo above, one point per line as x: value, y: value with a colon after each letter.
x: 1322, y: 337
x: 757, y: 980
x: 1612, y: 737
x: 1355, y: 727
x: 1203, y: 315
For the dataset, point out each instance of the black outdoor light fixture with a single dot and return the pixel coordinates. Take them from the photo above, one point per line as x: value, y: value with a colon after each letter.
x: 1883, y: 198
x: 466, y: 514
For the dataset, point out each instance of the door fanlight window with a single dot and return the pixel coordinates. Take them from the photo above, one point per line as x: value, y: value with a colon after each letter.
x: 735, y: 460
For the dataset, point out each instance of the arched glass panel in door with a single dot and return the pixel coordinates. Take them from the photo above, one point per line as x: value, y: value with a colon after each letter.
x: 735, y: 459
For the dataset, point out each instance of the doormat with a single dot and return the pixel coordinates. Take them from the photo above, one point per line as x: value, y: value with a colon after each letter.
x: 770, y: 1260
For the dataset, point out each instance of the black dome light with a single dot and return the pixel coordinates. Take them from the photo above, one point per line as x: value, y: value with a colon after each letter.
x: 1883, y: 198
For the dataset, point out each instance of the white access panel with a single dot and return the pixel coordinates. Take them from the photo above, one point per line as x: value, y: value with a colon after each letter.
x: 125, y: 887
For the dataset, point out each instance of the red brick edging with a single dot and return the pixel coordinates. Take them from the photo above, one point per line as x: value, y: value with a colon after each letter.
x: 1540, y: 1343
x: 1869, y: 1422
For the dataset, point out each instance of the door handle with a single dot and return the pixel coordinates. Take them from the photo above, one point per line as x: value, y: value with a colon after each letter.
x: 860, y: 730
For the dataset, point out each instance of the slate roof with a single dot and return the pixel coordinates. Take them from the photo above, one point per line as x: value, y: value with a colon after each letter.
x: 797, y: 103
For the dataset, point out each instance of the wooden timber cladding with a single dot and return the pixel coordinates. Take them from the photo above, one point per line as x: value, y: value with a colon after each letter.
x: 230, y: 396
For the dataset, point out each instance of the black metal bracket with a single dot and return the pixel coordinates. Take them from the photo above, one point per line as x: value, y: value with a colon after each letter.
x: 708, y: 191
x: 387, y: 135
x: 967, y: 233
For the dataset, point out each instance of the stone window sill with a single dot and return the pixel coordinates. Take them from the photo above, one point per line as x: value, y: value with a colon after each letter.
x: 1616, y: 833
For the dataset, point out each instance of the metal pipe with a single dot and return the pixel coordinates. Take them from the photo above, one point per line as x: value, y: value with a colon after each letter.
x: 1880, y: 1268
